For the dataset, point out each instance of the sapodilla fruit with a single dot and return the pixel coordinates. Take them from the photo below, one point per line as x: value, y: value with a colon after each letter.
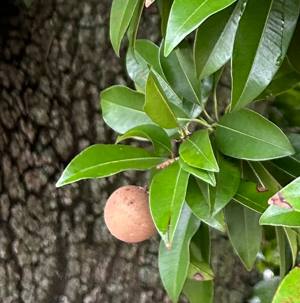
x: 127, y: 214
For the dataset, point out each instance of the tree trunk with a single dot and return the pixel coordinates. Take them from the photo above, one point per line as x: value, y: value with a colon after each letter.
x: 54, y: 247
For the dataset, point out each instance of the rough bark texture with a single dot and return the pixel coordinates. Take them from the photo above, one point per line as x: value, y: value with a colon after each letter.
x: 54, y: 247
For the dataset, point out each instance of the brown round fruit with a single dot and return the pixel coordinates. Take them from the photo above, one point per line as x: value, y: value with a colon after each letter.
x: 127, y: 214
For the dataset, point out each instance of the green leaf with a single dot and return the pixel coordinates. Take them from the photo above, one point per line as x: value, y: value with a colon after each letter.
x: 292, y: 238
x: 122, y: 108
x: 180, y: 110
x: 244, y: 232
x: 294, y: 49
x: 264, y: 291
x: 239, y: 135
x: 167, y: 194
x: 288, y: 290
x: 195, y: 290
x: 214, y: 40
x: 282, y: 82
x: 250, y: 195
x: 288, y: 197
x: 197, y: 151
x: 157, y: 106
x: 180, y: 72
x: 158, y: 137
x: 98, y: 161
x: 120, y: 16
x: 199, y: 250
x: 145, y: 57
x: 174, y: 263
x: 278, y: 216
x: 224, y: 190
x: 291, y: 164
x: 134, y: 25
x: 184, y: 18
x: 199, y: 271
x: 199, y: 206
x: 258, y: 53
x: 204, y: 175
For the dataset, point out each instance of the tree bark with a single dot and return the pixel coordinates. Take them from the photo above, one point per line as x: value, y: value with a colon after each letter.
x: 55, y: 58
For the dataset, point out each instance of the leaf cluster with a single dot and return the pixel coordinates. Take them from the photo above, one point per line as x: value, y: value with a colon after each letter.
x: 237, y: 172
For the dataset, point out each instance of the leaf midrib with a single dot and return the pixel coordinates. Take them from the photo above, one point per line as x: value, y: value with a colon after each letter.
x: 247, y: 199
x: 247, y: 135
x: 173, y: 199
x: 129, y: 108
x: 114, y: 162
x: 261, y: 37
x: 212, y: 53
x: 188, y: 80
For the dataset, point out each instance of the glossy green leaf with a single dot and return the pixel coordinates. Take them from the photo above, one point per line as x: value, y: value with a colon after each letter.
x: 98, y: 161
x: 199, y: 206
x: 239, y: 135
x: 288, y: 290
x: 250, y: 195
x: 181, y: 111
x: 180, y: 72
x: 193, y: 110
x: 292, y: 238
x: 207, y: 87
x: 264, y: 291
x: 214, y: 40
x: 244, y: 232
x: 155, y: 99
x: 258, y: 53
x: 122, y: 108
x: 134, y: 25
x: 167, y: 194
x: 294, y: 49
x: 278, y: 216
x: 224, y: 190
x: 120, y: 16
x: 291, y: 164
x: 282, y: 82
x: 185, y: 18
x: 145, y: 57
x: 288, y: 197
x: 158, y: 137
x: 174, y: 263
x: 204, y: 175
x: 197, y: 151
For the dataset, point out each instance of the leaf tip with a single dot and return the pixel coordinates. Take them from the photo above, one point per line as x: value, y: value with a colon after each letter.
x: 168, y: 245
x: 59, y: 183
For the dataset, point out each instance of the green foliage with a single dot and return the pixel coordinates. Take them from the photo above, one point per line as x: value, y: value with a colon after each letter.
x: 239, y: 173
